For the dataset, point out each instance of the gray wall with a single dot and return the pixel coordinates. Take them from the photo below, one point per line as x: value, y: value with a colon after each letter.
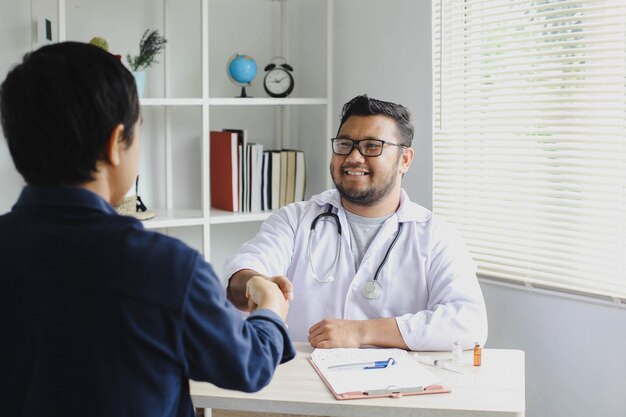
x: 383, y: 49
x: 575, y: 360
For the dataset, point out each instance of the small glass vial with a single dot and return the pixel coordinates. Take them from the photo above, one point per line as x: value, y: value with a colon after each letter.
x: 457, y: 351
x: 478, y: 353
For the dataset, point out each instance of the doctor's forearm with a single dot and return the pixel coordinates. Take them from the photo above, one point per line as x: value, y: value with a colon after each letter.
x: 382, y: 333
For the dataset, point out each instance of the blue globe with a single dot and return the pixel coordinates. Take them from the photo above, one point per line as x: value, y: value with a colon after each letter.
x: 241, y: 69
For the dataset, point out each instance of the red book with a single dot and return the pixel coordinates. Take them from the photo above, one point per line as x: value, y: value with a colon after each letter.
x: 224, y: 171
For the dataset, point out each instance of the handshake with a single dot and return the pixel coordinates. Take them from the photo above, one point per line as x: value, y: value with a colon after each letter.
x: 272, y: 293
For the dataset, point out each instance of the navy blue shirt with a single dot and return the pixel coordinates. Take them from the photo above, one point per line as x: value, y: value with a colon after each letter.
x: 99, y: 317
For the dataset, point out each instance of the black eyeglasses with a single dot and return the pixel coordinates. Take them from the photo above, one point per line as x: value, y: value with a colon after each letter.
x: 367, y: 147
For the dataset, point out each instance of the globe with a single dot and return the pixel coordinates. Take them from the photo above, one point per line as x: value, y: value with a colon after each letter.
x: 241, y: 70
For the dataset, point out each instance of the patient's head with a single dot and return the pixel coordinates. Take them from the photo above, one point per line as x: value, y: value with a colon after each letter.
x: 59, y: 108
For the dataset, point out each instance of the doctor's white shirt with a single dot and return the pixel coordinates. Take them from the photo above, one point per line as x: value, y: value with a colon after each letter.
x: 428, y: 283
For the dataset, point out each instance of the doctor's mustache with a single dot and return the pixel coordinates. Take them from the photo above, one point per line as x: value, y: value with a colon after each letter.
x: 351, y: 166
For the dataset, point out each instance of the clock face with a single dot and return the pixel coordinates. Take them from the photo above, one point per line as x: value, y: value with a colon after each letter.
x: 278, y: 82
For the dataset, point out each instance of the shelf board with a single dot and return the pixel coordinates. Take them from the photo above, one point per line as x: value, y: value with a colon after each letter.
x: 182, y: 218
x: 265, y: 101
x: 234, y: 101
x: 171, y: 101
x: 174, y: 218
x: 228, y: 217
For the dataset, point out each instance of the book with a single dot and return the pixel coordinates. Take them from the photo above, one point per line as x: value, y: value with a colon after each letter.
x: 290, y: 177
x: 224, y: 174
x: 283, y: 179
x: 348, y: 374
x: 240, y: 162
x: 259, y: 179
x: 300, y: 178
x: 265, y: 189
x: 274, y: 183
x: 255, y: 175
x: 242, y: 142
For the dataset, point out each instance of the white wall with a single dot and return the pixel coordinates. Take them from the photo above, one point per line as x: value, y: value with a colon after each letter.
x: 15, y: 40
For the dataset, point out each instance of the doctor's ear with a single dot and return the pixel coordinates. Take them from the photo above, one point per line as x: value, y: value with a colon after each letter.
x: 406, y: 159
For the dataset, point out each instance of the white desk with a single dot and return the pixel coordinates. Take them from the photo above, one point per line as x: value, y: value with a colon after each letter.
x: 494, y: 389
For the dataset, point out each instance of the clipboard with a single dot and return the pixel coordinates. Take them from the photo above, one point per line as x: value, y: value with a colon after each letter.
x: 406, y: 377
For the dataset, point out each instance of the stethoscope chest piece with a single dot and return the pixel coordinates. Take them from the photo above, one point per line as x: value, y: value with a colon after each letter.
x: 371, y: 290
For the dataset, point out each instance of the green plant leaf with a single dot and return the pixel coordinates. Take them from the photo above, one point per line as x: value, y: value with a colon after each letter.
x: 150, y: 46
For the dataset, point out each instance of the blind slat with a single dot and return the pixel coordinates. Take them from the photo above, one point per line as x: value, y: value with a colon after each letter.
x: 529, y: 151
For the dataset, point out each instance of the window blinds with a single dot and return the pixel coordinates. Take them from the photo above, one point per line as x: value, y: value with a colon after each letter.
x: 529, y: 149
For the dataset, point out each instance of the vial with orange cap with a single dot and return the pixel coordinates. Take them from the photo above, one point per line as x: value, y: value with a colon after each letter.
x: 478, y: 353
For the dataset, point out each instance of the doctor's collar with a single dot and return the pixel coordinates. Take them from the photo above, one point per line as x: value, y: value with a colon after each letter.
x: 407, y: 212
x: 412, y: 212
x: 331, y: 197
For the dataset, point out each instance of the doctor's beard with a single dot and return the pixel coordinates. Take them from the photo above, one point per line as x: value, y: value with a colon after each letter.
x: 369, y: 195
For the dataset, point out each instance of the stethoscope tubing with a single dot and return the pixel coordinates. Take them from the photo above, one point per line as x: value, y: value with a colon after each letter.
x: 374, y: 282
x: 384, y: 261
x: 329, y: 277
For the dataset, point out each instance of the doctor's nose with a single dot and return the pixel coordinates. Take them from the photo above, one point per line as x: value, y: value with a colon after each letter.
x: 355, y: 155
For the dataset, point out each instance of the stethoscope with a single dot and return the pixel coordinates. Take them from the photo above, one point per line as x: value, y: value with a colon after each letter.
x: 372, y: 288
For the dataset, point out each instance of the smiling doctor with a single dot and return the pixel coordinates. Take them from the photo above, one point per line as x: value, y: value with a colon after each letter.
x: 370, y: 267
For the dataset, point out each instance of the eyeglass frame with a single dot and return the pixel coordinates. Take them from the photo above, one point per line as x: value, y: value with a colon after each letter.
x: 357, y: 144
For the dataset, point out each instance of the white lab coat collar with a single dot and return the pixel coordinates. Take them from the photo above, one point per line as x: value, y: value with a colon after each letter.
x: 407, y: 212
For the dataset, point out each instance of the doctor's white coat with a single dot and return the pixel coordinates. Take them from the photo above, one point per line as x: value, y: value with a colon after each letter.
x: 429, y: 280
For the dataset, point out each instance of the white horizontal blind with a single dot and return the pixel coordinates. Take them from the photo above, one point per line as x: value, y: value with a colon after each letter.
x: 529, y: 148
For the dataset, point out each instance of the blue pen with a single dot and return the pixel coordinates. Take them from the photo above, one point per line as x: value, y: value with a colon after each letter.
x: 363, y: 365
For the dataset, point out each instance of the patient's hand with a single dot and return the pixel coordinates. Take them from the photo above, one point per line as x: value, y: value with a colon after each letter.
x: 284, y: 284
x: 263, y: 294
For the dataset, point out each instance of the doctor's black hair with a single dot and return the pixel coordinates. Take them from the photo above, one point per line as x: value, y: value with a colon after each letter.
x: 365, y: 106
x: 59, y: 107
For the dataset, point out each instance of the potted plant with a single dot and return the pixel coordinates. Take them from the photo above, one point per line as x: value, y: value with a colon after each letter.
x: 150, y: 46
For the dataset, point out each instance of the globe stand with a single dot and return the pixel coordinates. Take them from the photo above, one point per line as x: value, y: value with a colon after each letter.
x: 243, y: 93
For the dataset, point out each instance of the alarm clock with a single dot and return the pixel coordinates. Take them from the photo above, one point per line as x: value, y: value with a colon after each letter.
x: 278, y: 81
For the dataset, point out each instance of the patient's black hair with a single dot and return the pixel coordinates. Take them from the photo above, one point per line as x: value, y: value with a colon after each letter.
x: 59, y: 107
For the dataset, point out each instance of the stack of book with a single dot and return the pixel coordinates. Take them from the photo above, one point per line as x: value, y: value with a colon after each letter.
x: 246, y: 178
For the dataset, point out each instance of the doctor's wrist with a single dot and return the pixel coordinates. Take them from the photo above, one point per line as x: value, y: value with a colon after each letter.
x: 382, y: 332
x: 365, y: 333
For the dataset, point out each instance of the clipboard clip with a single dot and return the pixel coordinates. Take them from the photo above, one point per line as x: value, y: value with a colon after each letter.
x: 394, y: 392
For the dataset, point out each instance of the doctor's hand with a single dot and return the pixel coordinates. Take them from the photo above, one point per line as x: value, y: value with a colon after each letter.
x: 261, y: 293
x: 336, y: 333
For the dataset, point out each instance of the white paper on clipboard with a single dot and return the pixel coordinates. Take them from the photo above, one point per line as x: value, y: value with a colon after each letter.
x: 406, y: 376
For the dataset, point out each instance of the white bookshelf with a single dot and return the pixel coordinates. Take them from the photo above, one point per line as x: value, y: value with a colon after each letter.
x: 268, y: 101
x: 226, y: 217
x: 228, y: 101
x: 169, y: 217
x: 172, y: 101
x: 166, y: 218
